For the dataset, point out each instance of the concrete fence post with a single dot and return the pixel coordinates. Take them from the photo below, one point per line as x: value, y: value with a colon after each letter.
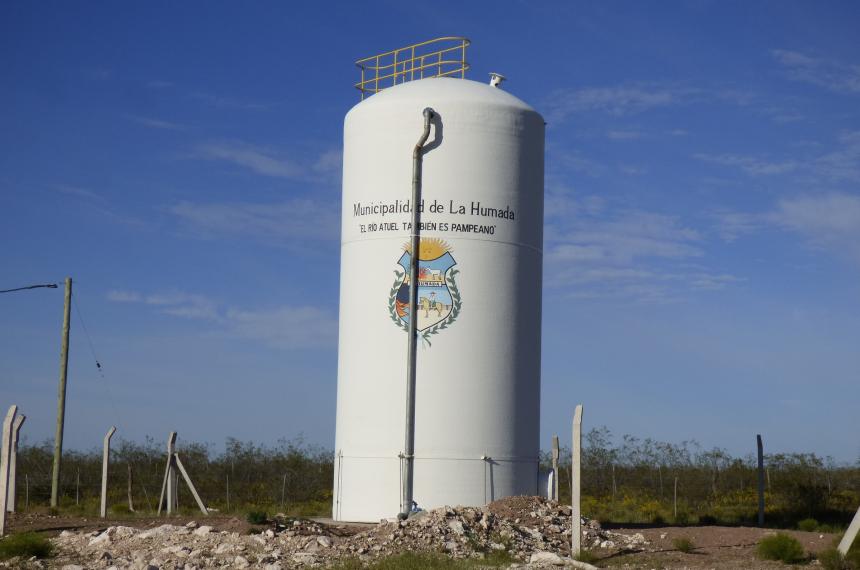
x: 12, y: 499
x: 576, y: 485
x: 5, y: 460
x: 105, y: 462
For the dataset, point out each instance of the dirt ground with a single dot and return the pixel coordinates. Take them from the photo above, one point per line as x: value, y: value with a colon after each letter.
x: 716, y: 547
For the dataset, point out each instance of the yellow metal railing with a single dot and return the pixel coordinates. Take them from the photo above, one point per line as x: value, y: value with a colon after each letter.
x: 441, y: 57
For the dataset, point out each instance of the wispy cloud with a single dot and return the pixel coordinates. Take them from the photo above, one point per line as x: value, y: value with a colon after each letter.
x: 286, y: 326
x: 732, y: 225
x: 830, y: 74
x: 622, y: 100
x: 624, y: 254
x: 841, y: 163
x: 844, y: 162
x: 223, y: 102
x: 77, y: 191
x: 156, y: 123
x: 174, y: 303
x: 281, y: 327
x: 829, y: 221
x: 120, y: 296
x: 283, y: 223
x: 618, y: 135
x: 258, y: 159
x: 750, y: 164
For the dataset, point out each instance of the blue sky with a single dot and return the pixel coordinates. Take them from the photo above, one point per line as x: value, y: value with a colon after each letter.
x: 181, y: 161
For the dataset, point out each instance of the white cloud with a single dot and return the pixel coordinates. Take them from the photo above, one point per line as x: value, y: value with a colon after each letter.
x: 844, y: 162
x: 830, y: 74
x: 76, y: 191
x: 281, y: 327
x: 732, y: 225
x: 623, y: 135
x: 156, y: 123
x: 118, y: 296
x: 628, y: 254
x: 830, y: 221
x: 613, y: 100
x: 750, y: 164
x: 329, y: 162
x: 260, y: 160
x: 282, y: 223
x: 286, y: 326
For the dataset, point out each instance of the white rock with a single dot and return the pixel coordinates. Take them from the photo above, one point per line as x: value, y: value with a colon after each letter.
x: 103, y: 539
x: 607, y: 544
x: 72, y: 567
x: 546, y: 558
x: 324, y: 541
x: 456, y: 526
x: 240, y: 562
x: 273, y: 566
x: 159, y: 531
x: 202, y: 531
x: 223, y: 548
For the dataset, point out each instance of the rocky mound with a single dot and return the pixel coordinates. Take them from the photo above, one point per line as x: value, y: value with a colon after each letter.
x: 529, y: 529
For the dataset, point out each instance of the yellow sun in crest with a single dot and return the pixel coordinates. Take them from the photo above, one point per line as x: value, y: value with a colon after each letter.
x: 430, y: 248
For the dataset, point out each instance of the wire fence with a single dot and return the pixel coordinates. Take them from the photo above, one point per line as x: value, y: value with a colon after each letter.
x: 290, y: 477
x: 634, y: 480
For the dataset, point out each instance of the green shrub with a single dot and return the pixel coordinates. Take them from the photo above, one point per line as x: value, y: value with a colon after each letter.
x: 120, y: 509
x: 684, y: 544
x: 707, y: 520
x: 832, y: 559
x: 586, y: 556
x: 25, y: 545
x: 808, y: 525
x: 683, y: 517
x: 781, y: 546
x: 257, y: 517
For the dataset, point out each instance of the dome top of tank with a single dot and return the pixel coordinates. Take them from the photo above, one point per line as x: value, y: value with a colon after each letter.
x: 425, y: 92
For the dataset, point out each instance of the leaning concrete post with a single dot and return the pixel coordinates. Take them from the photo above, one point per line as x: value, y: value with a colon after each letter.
x: 12, y: 499
x: 576, y: 485
x: 172, y: 481
x: 5, y: 450
x: 850, y: 534
x: 555, y: 452
x: 105, y: 461
x: 760, y: 449
x: 191, y: 486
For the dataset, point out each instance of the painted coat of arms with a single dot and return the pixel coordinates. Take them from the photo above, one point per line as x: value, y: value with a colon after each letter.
x: 439, y: 300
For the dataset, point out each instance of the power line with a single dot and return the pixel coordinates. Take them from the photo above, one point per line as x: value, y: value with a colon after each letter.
x: 89, y: 339
x: 48, y: 285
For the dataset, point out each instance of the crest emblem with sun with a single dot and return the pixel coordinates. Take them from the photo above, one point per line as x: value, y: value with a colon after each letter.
x: 439, y: 300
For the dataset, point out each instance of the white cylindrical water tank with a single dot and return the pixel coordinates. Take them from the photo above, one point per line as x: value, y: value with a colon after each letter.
x: 478, y: 364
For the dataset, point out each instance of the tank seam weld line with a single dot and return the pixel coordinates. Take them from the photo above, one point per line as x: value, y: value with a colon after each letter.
x: 525, y: 245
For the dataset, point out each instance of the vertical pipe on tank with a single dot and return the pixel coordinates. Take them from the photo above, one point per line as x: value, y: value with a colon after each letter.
x: 408, y: 458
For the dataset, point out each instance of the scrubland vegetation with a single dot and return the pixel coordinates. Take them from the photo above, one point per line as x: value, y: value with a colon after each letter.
x: 632, y: 481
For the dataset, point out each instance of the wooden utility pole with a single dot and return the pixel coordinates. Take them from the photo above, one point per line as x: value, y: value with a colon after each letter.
x: 105, y: 462
x: 760, y: 480
x: 61, y: 398
x: 576, y: 485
